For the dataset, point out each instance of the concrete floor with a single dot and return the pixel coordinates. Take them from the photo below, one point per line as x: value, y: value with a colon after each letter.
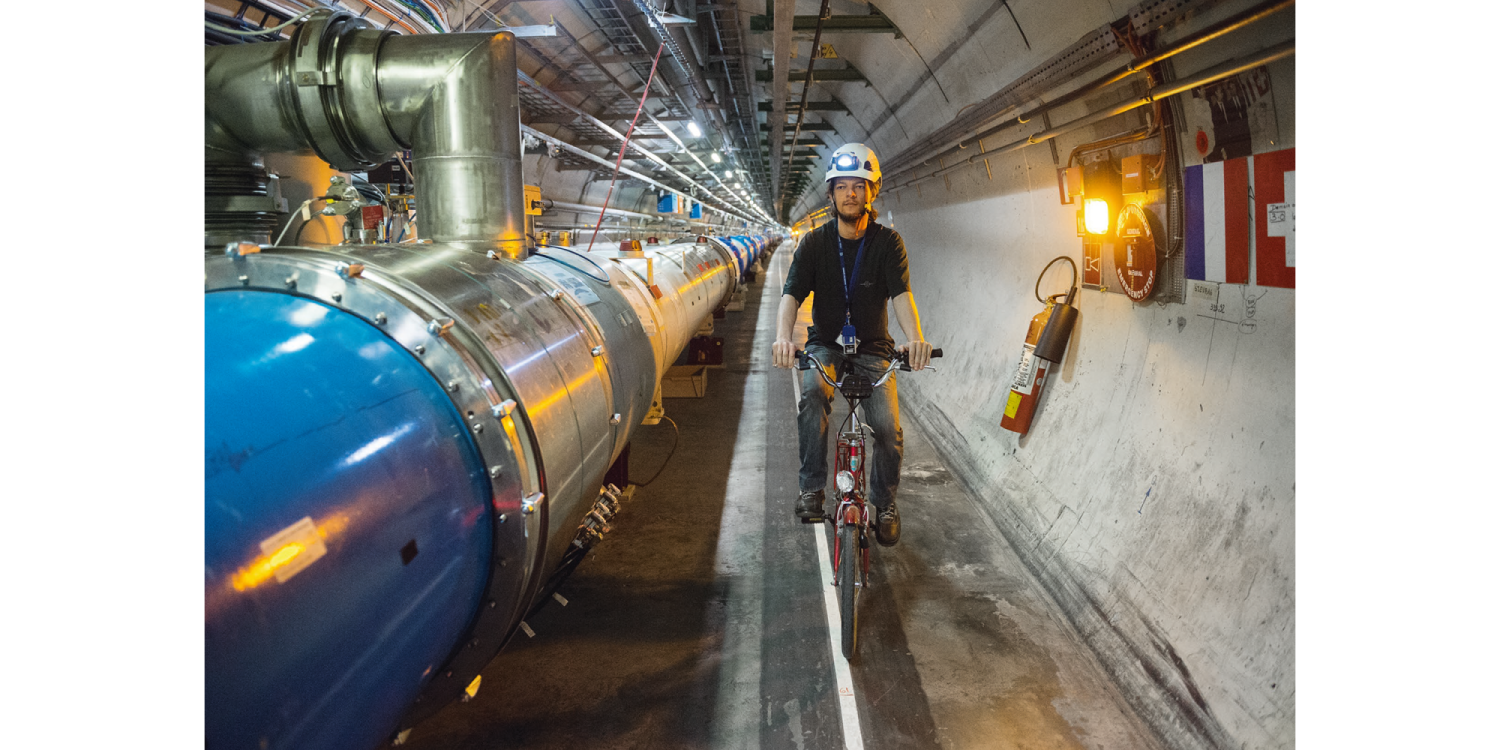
x: 700, y: 621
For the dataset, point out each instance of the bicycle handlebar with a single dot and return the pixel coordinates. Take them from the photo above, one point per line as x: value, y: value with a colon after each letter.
x: 899, y: 362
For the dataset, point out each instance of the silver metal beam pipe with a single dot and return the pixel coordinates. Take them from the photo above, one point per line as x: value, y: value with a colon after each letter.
x: 549, y: 365
x: 354, y: 95
x: 1215, y: 73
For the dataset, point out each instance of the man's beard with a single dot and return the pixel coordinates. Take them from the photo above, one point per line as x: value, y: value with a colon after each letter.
x: 850, y: 218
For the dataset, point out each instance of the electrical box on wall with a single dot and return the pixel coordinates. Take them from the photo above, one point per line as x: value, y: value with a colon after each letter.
x: 1069, y: 184
x: 1132, y: 176
x: 533, y: 200
x: 1125, y: 248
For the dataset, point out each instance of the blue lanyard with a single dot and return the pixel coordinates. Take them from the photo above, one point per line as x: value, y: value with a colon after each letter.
x: 859, y: 257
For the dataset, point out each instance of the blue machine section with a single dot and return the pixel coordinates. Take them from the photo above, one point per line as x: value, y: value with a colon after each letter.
x: 734, y: 248
x: 347, y: 520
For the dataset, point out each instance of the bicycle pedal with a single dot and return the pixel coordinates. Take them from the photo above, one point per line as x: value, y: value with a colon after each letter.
x: 812, y: 520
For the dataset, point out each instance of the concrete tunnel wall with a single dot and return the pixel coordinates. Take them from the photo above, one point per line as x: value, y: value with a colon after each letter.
x: 1154, y: 496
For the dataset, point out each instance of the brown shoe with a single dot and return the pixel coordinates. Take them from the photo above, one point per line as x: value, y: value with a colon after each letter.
x: 810, y: 506
x: 888, y: 525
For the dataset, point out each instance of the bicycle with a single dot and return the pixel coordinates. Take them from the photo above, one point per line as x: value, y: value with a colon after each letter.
x: 852, y: 531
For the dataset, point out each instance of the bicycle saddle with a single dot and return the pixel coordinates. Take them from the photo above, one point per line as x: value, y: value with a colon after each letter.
x: 855, y: 385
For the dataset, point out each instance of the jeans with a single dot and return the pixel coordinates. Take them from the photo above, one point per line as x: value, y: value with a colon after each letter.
x: 879, y: 411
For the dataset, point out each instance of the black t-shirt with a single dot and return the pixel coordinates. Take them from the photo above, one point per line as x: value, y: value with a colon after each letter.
x: 882, y: 275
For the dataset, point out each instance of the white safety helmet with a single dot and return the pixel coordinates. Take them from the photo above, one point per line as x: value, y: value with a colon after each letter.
x: 855, y: 160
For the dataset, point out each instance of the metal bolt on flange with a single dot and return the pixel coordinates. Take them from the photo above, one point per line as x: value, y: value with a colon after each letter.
x: 495, y: 472
x: 439, y: 325
x: 477, y: 427
x: 350, y: 270
x: 597, y: 351
x: 614, y: 419
x: 338, y: 297
x: 556, y: 294
x: 419, y: 349
x: 453, y: 386
x: 291, y: 281
x: 380, y: 318
x: 245, y: 281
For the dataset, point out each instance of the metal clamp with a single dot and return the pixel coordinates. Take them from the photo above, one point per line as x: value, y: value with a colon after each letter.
x: 531, y: 502
x: 503, y: 409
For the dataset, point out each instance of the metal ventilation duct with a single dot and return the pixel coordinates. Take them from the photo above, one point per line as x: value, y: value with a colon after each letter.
x: 355, y: 95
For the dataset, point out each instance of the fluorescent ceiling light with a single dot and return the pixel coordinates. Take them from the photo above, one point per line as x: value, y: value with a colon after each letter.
x: 694, y: 130
x: 716, y: 157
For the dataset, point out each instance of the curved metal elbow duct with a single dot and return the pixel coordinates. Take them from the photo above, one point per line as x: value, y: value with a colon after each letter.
x: 355, y: 95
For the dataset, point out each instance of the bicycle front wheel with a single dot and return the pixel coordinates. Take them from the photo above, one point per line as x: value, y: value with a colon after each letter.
x: 849, y: 586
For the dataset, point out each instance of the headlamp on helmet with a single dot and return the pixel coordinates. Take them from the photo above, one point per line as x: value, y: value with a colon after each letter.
x: 854, y: 160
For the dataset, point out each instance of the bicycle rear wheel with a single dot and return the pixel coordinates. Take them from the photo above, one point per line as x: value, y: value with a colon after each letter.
x: 848, y: 586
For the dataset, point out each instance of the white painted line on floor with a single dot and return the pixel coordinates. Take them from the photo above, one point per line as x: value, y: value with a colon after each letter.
x: 848, y: 708
x: 853, y: 740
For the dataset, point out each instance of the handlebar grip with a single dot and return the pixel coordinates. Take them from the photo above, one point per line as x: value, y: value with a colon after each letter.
x: 905, y: 359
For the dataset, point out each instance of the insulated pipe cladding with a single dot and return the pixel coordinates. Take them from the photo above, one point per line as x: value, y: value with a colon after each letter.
x: 402, y: 443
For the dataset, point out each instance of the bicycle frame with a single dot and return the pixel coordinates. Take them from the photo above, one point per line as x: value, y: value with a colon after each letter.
x: 853, y: 514
x: 852, y: 456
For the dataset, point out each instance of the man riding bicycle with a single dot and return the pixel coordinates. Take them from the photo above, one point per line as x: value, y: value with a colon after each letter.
x: 851, y: 266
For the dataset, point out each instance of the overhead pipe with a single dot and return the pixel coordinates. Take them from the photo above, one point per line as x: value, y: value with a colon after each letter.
x: 741, y: 102
x: 355, y: 95
x: 680, y: 47
x: 652, y: 156
x: 643, y: 23
x: 1134, y: 67
x: 1215, y: 73
x: 631, y: 94
x: 628, y: 172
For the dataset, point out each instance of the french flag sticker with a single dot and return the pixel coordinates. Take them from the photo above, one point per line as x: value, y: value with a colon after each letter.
x: 1218, y: 222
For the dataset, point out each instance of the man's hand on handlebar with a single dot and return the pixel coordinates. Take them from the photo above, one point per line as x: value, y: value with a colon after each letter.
x: 918, y: 353
x: 784, y: 353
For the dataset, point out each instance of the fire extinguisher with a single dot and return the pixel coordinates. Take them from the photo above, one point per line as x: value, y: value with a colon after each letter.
x: 1046, y: 343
